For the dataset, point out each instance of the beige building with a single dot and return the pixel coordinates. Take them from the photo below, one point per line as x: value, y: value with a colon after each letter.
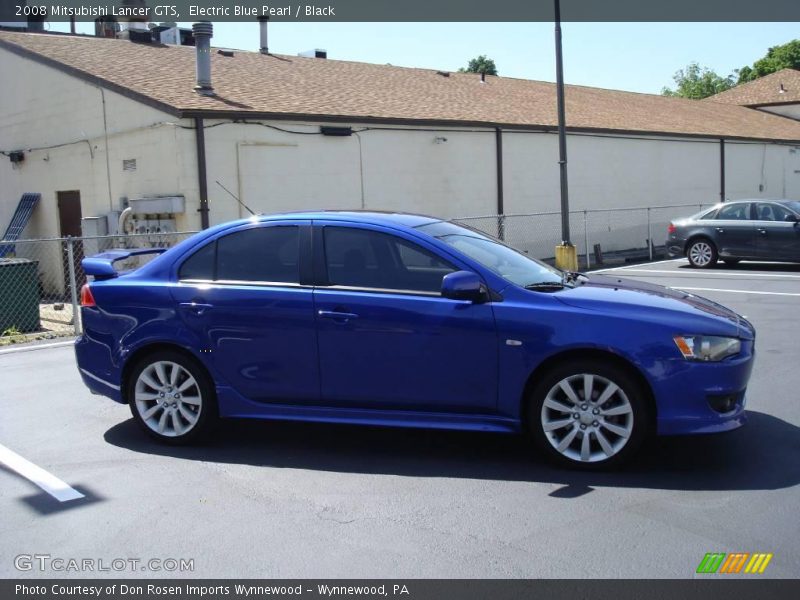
x: 103, y: 124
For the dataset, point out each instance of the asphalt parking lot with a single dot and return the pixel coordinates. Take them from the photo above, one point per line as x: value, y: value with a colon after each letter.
x: 286, y: 500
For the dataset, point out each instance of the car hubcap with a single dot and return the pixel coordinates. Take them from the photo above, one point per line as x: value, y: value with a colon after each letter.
x: 168, y: 398
x: 700, y: 254
x: 587, y: 418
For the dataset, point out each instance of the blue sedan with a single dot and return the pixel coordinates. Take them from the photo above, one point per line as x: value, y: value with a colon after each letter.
x: 405, y: 320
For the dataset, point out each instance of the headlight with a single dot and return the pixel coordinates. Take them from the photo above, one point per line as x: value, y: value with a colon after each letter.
x: 707, y: 347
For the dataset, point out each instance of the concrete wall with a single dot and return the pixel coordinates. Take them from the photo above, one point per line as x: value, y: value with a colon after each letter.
x: 74, y: 147
x: 275, y: 166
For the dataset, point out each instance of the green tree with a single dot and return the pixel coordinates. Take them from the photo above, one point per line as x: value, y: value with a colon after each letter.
x: 785, y: 56
x: 480, y: 65
x: 698, y: 82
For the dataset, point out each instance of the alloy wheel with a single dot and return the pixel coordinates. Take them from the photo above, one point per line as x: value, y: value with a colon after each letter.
x: 700, y: 254
x: 168, y: 398
x: 587, y: 418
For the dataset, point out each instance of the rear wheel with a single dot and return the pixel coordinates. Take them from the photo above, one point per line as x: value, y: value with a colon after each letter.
x: 588, y: 415
x: 172, y: 398
x: 702, y: 254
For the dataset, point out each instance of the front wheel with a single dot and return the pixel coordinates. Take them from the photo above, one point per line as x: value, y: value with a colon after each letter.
x: 588, y: 415
x: 172, y: 398
x: 702, y: 254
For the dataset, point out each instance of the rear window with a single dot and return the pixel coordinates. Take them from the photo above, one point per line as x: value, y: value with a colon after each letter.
x: 734, y: 212
x: 261, y: 254
x: 200, y: 265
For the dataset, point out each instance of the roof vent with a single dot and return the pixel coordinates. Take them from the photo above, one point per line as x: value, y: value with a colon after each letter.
x: 203, y: 31
x: 262, y: 24
x: 443, y: 73
x: 782, y: 90
x: 317, y: 53
x: 228, y: 53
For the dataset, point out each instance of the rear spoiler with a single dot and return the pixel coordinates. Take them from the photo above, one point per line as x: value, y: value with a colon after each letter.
x: 101, y: 266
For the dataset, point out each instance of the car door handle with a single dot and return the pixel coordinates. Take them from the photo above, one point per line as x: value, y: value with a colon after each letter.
x: 337, y: 315
x: 762, y: 231
x: 720, y: 230
x: 197, y: 308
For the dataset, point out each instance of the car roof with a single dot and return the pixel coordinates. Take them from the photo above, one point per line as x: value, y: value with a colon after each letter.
x: 373, y: 217
x: 776, y: 200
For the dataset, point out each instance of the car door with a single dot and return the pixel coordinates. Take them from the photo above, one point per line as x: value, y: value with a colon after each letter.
x: 387, y: 338
x: 777, y: 232
x: 243, y: 297
x: 734, y: 231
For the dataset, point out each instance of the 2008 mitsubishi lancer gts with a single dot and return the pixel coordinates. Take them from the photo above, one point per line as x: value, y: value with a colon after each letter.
x: 405, y: 320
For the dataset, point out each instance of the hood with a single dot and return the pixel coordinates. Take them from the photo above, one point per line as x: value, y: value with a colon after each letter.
x: 617, y: 294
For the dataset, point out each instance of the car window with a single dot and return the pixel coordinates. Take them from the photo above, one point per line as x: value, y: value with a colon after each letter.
x: 766, y: 211
x: 734, y: 212
x: 370, y: 259
x: 200, y: 265
x: 706, y: 213
x: 269, y: 254
x: 510, y: 264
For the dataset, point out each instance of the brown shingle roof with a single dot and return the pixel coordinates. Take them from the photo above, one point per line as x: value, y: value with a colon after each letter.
x: 250, y: 84
x: 764, y: 90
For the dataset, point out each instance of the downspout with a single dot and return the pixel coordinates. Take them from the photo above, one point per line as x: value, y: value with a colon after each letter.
x: 722, y: 170
x: 498, y: 139
x: 202, y: 181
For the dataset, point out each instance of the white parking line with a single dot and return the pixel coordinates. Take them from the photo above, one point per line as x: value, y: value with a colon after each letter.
x: 698, y: 289
x: 37, y: 347
x: 49, y: 483
x: 628, y: 267
x: 742, y: 274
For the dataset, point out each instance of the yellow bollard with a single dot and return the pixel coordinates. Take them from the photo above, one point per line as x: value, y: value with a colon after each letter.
x: 567, y: 257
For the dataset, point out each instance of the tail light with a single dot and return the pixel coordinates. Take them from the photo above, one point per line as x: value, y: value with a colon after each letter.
x: 671, y: 228
x: 86, y: 296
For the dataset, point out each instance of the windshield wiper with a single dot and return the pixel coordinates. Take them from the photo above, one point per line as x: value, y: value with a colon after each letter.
x: 546, y: 285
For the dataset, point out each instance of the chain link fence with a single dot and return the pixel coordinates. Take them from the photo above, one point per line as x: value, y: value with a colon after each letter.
x: 602, y: 236
x: 40, y: 279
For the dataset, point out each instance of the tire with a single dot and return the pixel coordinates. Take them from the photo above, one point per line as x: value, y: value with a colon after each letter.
x: 613, y: 438
x: 702, y: 253
x: 731, y: 262
x: 172, y: 398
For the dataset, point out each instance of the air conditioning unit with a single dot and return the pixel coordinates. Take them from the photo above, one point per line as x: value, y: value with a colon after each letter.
x: 158, y: 205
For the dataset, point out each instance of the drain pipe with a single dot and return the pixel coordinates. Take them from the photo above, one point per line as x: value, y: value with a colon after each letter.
x: 203, y: 31
x: 202, y: 178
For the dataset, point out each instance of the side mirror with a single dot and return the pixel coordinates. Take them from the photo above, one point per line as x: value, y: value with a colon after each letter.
x: 790, y: 218
x: 464, y: 285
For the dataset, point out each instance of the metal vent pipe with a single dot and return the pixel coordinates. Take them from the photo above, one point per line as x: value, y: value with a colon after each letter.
x: 203, y: 31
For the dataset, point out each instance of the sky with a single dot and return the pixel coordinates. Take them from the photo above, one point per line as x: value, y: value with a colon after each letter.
x: 638, y: 57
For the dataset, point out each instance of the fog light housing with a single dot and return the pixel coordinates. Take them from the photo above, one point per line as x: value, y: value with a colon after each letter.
x: 725, y: 403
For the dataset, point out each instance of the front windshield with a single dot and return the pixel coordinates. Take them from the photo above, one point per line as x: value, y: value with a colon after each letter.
x: 493, y: 254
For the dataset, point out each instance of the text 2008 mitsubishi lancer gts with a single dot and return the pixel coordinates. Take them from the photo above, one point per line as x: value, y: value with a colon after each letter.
x: 398, y: 319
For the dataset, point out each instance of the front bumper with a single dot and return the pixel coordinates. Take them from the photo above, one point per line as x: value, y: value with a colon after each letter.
x: 689, y: 398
